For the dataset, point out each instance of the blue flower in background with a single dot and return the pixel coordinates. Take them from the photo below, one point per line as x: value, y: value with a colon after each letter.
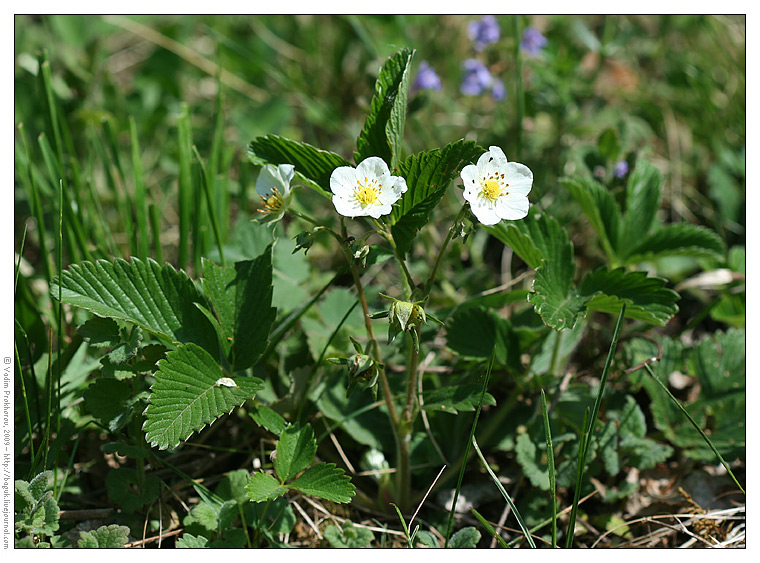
x: 498, y: 90
x: 621, y: 169
x: 484, y: 32
x: 532, y: 41
x: 477, y: 78
x: 426, y: 78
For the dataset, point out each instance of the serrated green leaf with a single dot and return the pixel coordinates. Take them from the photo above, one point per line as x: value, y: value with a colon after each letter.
x: 647, y: 297
x: 228, y: 513
x: 106, y: 399
x: 275, y: 516
x: 100, y: 332
x: 105, y: 537
x: 157, y: 298
x: 554, y: 296
x: 233, y: 486
x: 641, y: 203
x: 466, y: 538
x: 456, y: 398
x: 326, y: 481
x: 204, y: 516
x: 39, y: 484
x: 186, y: 397
x: 128, y: 348
x: 189, y: 541
x: 263, y: 487
x: 125, y: 491
x: 679, y: 239
x: 269, y: 419
x: 295, y: 450
x: 313, y: 164
x: 477, y: 332
x: 602, y: 211
x: 384, y: 126
x: 427, y: 175
x: 242, y: 300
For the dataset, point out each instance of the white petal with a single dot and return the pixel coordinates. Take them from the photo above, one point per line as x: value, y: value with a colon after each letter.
x: 285, y: 173
x: 399, y: 184
x: 343, y: 181
x: 346, y: 208
x: 374, y: 167
x: 389, y: 197
x: 471, y: 181
x: 377, y: 211
x: 519, y: 177
x: 512, y: 207
x: 267, y: 180
x: 492, y: 163
x: 484, y: 211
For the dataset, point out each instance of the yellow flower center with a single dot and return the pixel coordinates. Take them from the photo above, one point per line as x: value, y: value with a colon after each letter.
x: 491, y: 190
x: 271, y: 203
x: 367, y: 193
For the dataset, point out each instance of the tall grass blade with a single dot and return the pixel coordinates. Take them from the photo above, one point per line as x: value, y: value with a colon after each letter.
x: 588, y: 427
x: 155, y: 227
x: 210, y: 203
x: 466, y: 456
x: 479, y: 517
x: 47, y: 86
x: 114, y: 171
x: 695, y: 425
x: 185, y: 186
x: 33, y: 196
x: 141, y: 205
x: 505, y: 494
x: 552, y: 472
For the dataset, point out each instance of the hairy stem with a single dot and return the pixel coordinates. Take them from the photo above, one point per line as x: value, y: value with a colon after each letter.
x: 431, y: 279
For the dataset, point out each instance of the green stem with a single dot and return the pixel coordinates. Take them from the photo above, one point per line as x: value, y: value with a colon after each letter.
x: 555, y: 354
x: 406, y: 427
x: 407, y: 278
x: 431, y: 279
x: 552, y: 475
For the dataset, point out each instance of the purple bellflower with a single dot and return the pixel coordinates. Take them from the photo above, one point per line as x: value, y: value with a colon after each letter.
x: 426, y: 78
x: 621, y: 169
x: 484, y: 32
x: 532, y: 42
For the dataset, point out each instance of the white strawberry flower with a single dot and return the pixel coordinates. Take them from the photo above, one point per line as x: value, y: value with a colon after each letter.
x: 273, y: 187
x: 497, y: 189
x: 367, y: 190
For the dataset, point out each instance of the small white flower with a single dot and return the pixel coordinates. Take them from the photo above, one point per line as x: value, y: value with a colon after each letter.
x: 273, y: 186
x: 368, y: 189
x: 497, y: 189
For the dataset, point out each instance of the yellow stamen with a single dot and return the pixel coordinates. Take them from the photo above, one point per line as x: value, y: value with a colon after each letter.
x: 271, y: 203
x: 366, y: 195
x: 492, y: 190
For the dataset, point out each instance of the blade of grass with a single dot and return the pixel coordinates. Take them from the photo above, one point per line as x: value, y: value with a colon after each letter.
x: 705, y: 437
x: 489, y: 528
x: 220, y: 196
x: 114, y: 171
x: 409, y: 539
x: 588, y: 427
x: 210, y: 204
x: 552, y: 473
x: 141, y: 206
x: 185, y: 194
x: 155, y: 228
x: 50, y: 102
x: 505, y: 494
x: 59, y: 338
x: 466, y: 455
x: 33, y: 196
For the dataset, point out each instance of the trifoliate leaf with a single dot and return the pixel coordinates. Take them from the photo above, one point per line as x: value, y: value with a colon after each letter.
x: 157, y: 298
x: 105, y: 537
x: 295, y: 450
x: 263, y: 487
x: 185, y: 396
x: 326, y: 481
x: 679, y: 239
